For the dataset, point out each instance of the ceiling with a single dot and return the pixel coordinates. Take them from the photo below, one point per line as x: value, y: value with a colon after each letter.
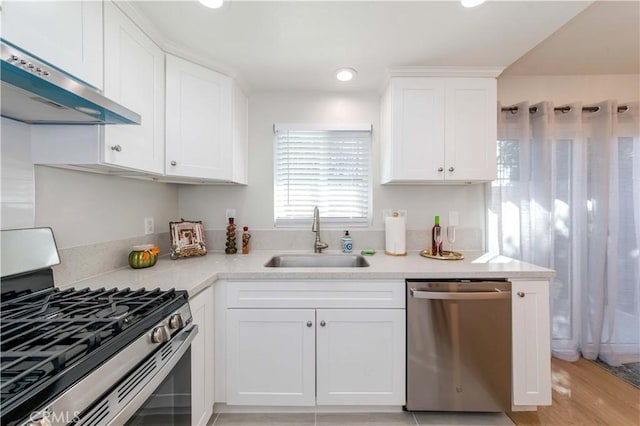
x: 297, y: 45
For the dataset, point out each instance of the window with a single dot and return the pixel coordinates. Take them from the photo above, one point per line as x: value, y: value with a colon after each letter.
x: 324, y: 166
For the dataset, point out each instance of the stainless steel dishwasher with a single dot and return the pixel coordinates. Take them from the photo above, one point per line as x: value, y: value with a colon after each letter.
x: 458, y: 345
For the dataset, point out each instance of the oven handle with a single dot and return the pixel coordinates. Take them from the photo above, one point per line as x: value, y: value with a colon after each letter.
x: 186, y: 335
x: 476, y: 295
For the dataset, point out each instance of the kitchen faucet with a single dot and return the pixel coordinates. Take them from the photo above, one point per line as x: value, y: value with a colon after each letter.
x: 318, y: 245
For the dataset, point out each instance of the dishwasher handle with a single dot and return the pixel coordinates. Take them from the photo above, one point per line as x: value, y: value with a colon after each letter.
x: 445, y: 295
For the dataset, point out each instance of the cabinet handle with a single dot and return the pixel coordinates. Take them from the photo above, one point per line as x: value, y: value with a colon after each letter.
x: 440, y: 169
x: 309, y: 323
x: 116, y: 148
x: 322, y: 323
x: 451, y: 169
x: 520, y: 294
x: 174, y: 163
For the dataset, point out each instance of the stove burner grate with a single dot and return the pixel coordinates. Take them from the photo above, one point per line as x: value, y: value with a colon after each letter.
x: 52, y: 337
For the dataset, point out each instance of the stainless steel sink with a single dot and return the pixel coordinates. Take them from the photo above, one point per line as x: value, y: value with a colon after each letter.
x: 317, y: 261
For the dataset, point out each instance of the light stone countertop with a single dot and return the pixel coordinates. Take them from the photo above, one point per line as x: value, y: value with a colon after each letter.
x: 195, y: 274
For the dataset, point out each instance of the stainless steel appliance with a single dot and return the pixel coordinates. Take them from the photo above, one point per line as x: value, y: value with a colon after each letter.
x: 88, y: 356
x: 36, y: 92
x: 458, y: 345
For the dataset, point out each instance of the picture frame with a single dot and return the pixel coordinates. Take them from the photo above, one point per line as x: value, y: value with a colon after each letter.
x: 187, y: 239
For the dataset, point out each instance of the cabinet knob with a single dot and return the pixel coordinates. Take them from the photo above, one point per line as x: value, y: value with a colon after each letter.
x: 322, y: 323
x: 174, y: 163
x: 309, y: 323
x: 451, y: 169
x: 520, y: 294
x: 440, y: 169
x: 116, y: 148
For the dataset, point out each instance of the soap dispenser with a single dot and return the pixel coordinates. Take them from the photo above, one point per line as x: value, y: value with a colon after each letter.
x: 347, y: 243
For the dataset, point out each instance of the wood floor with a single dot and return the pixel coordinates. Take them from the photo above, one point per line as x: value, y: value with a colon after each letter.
x: 585, y: 394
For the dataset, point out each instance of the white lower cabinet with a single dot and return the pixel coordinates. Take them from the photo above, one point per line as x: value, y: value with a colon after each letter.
x: 271, y: 357
x: 360, y: 356
x: 531, y: 343
x: 202, y: 357
x: 312, y: 342
x: 309, y: 357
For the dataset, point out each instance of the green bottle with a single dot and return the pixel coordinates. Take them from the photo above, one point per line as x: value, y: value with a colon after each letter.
x: 436, y: 248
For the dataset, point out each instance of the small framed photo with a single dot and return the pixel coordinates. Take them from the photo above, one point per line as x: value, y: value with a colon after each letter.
x: 187, y: 239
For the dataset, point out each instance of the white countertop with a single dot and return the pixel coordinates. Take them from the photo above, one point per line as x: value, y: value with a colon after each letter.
x: 194, y: 274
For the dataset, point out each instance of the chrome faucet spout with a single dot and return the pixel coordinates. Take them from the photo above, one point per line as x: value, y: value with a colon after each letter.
x: 318, y: 245
x: 315, y: 226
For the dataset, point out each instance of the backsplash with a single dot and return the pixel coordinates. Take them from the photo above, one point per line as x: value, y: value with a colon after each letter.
x: 17, y: 180
x: 78, y: 263
x: 295, y: 240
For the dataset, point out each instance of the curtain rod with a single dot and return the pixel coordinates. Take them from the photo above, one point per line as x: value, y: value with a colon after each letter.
x: 564, y: 109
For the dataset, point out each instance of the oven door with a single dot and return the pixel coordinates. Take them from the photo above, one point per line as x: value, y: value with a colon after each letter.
x: 170, y: 403
x: 158, y: 392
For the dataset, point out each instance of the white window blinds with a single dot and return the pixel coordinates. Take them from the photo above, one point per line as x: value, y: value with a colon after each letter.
x: 324, y: 167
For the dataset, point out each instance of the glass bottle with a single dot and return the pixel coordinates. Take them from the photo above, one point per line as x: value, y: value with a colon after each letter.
x: 230, y: 247
x: 436, y: 243
x: 246, y: 236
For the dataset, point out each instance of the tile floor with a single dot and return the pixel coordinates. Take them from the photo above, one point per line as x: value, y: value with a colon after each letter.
x: 358, y: 419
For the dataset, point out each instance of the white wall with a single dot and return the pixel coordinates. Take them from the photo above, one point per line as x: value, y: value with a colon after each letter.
x: 563, y: 89
x: 17, y: 176
x: 254, y: 203
x: 88, y: 208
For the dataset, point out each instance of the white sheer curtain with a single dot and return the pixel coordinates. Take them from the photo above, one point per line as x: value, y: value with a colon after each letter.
x: 567, y: 197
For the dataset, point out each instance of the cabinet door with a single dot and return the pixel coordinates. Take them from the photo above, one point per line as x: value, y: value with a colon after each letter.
x: 271, y: 357
x: 134, y: 77
x: 72, y: 41
x: 202, y: 358
x: 361, y: 357
x: 471, y: 126
x: 531, y: 343
x: 417, y: 133
x: 199, y: 134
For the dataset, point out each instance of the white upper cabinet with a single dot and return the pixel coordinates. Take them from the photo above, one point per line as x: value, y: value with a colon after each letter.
x: 134, y: 77
x: 72, y: 41
x: 205, y: 123
x: 439, y: 130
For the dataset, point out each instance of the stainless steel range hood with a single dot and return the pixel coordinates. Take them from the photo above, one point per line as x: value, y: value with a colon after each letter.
x: 36, y: 92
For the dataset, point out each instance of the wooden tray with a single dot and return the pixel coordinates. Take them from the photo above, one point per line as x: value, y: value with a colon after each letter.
x: 446, y: 255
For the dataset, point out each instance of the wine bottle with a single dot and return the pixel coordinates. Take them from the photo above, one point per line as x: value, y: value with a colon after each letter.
x: 436, y: 247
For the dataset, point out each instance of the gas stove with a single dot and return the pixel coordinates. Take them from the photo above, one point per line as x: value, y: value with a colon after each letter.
x: 57, y: 344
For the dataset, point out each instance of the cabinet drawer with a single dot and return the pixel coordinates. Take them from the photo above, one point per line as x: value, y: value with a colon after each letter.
x: 316, y: 294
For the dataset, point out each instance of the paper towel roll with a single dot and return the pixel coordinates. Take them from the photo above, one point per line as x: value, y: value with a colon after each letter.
x: 395, y: 236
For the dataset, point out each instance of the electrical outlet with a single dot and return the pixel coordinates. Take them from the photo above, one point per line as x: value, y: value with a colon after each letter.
x: 230, y: 213
x: 148, y: 226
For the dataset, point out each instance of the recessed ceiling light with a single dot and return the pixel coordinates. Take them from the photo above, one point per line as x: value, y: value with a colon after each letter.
x: 345, y: 74
x: 471, y: 3
x: 213, y: 4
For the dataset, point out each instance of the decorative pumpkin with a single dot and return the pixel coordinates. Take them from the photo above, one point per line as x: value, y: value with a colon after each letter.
x: 143, y: 256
